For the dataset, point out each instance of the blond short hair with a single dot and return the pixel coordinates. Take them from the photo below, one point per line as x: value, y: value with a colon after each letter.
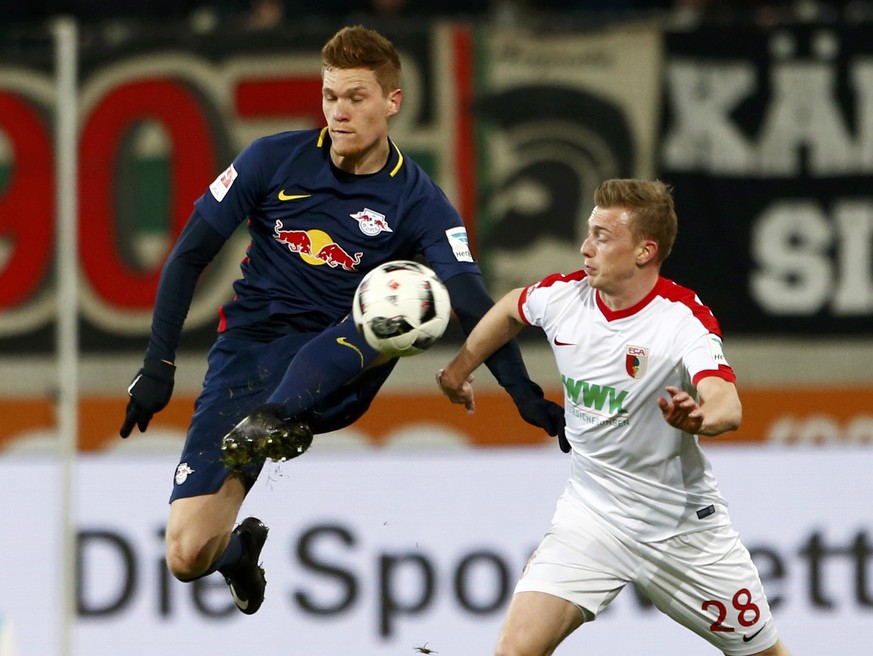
x: 653, y: 215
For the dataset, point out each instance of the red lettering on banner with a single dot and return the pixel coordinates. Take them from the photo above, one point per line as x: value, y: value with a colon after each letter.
x: 192, y: 165
x: 465, y: 156
x: 280, y: 98
x: 27, y: 204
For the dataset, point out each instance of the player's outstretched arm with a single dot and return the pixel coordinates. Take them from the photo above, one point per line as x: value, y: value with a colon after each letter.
x: 471, y: 302
x: 497, y: 327
x: 719, y: 410
x: 152, y: 387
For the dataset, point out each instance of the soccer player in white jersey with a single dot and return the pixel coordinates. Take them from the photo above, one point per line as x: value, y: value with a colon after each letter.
x: 644, y: 375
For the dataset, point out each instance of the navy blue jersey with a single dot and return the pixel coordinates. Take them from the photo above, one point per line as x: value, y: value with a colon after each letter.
x: 316, y: 230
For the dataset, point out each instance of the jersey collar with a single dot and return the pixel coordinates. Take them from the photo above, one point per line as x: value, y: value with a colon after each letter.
x: 395, y: 157
x: 614, y: 315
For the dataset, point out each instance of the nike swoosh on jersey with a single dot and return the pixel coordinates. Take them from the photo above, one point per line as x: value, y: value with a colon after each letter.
x: 284, y: 196
x: 749, y: 638
x: 558, y: 342
x: 342, y: 341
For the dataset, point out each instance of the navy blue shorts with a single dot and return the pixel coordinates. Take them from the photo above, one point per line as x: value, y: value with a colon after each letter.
x: 241, y: 375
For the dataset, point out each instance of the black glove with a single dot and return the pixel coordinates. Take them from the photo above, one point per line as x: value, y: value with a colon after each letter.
x: 535, y: 409
x: 150, y: 392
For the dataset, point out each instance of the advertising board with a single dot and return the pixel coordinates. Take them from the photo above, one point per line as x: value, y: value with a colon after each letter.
x: 378, y: 554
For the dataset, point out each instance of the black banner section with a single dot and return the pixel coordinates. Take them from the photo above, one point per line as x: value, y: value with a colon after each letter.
x: 767, y: 137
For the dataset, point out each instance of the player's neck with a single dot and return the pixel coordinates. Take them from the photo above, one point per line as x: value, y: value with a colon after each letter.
x: 365, y: 162
x: 630, y: 293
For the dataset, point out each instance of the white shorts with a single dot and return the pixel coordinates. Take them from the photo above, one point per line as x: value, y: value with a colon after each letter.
x: 704, y: 580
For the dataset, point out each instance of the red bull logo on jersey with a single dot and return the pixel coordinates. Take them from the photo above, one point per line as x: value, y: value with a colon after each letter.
x: 636, y: 361
x: 371, y: 222
x: 316, y: 247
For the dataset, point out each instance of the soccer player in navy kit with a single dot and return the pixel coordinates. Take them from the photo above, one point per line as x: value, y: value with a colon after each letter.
x: 324, y: 207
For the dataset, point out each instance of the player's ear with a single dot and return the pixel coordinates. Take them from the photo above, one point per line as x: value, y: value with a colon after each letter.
x: 646, y: 251
x: 394, y: 99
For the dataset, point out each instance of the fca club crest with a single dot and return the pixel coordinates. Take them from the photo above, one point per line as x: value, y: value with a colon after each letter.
x: 636, y: 361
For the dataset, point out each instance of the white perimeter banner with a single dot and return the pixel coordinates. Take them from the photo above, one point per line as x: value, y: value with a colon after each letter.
x: 376, y: 553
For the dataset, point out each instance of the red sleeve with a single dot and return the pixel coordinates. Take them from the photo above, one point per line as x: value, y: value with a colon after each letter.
x: 723, y: 372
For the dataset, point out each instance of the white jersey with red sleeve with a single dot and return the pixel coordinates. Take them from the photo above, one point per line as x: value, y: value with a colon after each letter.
x: 648, y: 478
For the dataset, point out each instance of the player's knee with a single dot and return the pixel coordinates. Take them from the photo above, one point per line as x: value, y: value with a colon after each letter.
x: 504, y: 649
x: 509, y: 647
x: 186, y: 561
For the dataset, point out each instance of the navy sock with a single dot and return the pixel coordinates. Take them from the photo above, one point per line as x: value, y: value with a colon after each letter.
x: 321, y: 367
x: 229, y: 557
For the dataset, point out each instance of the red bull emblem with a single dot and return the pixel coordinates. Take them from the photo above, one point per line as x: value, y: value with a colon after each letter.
x: 298, y: 241
x: 335, y: 255
x: 371, y: 222
x: 636, y: 361
x: 316, y: 247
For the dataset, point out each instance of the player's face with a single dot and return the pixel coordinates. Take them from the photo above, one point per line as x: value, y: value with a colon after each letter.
x: 610, y: 250
x: 357, y: 113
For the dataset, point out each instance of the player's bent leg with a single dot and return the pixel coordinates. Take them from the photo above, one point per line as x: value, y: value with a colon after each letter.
x: 710, y: 570
x: 199, y: 528
x: 348, y: 404
x: 536, y: 623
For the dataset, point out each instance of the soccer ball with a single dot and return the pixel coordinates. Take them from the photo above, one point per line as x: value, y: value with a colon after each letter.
x: 401, y: 308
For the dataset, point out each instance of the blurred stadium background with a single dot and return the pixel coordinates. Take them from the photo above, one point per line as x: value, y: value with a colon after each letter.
x: 410, y: 528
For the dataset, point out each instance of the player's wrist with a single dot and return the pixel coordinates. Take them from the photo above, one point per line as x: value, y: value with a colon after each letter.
x: 523, y: 390
x: 451, y: 379
x: 159, y: 369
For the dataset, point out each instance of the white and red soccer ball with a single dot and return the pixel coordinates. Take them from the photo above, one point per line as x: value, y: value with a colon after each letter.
x: 402, y: 308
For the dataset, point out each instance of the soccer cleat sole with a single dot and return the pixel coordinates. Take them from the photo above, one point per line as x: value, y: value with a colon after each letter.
x: 279, y: 445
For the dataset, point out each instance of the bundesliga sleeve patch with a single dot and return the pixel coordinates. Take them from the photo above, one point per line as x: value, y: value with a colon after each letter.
x: 715, y: 347
x: 223, y: 183
x: 460, y: 244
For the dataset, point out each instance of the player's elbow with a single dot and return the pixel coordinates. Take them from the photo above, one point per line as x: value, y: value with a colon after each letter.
x: 733, y: 423
x: 736, y: 416
x: 722, y: 408
x: 726, y: 421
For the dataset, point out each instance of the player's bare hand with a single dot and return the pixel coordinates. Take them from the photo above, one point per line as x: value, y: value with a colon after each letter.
x: 458, y: 393
x: 681, y: 410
